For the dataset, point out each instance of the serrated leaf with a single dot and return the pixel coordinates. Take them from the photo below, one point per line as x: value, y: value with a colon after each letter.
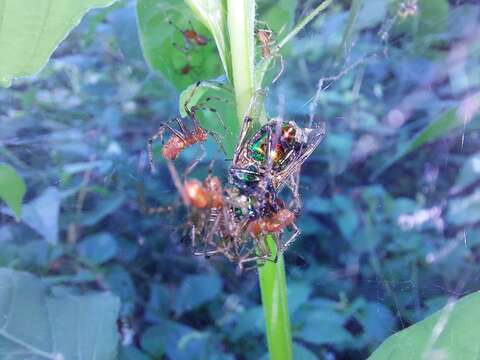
x: 451, y: 333
x: 31, y: 30
x: 166, y: 48
x: 12, y: 188
x: 197, y: 290
x: 35, y: 324
x: 42, y: 213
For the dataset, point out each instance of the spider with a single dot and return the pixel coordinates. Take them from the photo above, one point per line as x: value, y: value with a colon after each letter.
x: 269, y: 48
x: 182, y: 137
x: 208, y: 218
x: 263, y: 164
x: 190, y: 35
x: 235, y: 219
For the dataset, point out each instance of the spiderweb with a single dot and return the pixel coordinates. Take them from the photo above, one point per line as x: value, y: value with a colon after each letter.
x: 406, y: 215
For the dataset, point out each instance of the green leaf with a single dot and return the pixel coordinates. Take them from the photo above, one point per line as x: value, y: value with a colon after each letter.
x: 98, y: 248
x: 120, y: 282
x: 178, y: 341
x: 279, y: 15
x: 31, y: 30
x: 377, y: 321
x: 250, y: 322
x: 297, y: 295
x: 131, y: 353
x: 222, y: 120
x: 104, y: 208
x: 469, y: 173
x: 212, y: 14
x: 347, y: 38
x: 300, y: 352
x: 429, y: 20
x: 40, y: 325
x: 263, y: 66
x: 372, y: 13
x: 323, y: 325
x: 197, y: 290
x: 12, y: 188
x: 167, y: 50
x: 465, y: 210
x: 42, y: 213
x: 451, y: 333
x: 447, y: 121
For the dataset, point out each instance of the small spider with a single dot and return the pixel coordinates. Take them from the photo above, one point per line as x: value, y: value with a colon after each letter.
x: 182, y: 137
x: 251, y: 208
x: 235, y: 219
x: 208, y: 216
x: 190, y: 35
x: 269, y: 49
x: 185, y: 70
x: 262, y: 165
x: 265, y: 38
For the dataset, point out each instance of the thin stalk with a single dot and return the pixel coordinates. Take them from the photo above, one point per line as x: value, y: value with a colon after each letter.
x: 241, y: 22
x: 264, y: 65
x: 304, y: 22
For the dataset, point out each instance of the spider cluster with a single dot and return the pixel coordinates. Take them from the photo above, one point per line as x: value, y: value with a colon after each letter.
x: 260, y: 197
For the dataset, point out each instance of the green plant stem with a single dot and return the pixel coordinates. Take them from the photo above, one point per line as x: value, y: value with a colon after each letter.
x: 241, y: 22
x: 273, y: 287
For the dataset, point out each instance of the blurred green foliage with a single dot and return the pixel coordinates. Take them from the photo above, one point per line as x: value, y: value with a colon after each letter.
x: 377, y: 254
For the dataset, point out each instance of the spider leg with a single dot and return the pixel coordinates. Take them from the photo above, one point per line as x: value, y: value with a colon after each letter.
x: 211, y: 232
x: 282, y: 67
x: 159, y: 210
x: 195, y: 162
x: 253, y: 112
x: 159, y: 135
x: 178, y: 184
x: 181, y: 125
x: 291, y: 240
x: 191, y: 96
x: 259, y: 259
x: 217, y: 139
x: 292, y: 184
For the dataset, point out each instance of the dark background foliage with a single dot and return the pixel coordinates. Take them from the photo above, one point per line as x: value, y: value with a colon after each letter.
x: 390, y: 220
